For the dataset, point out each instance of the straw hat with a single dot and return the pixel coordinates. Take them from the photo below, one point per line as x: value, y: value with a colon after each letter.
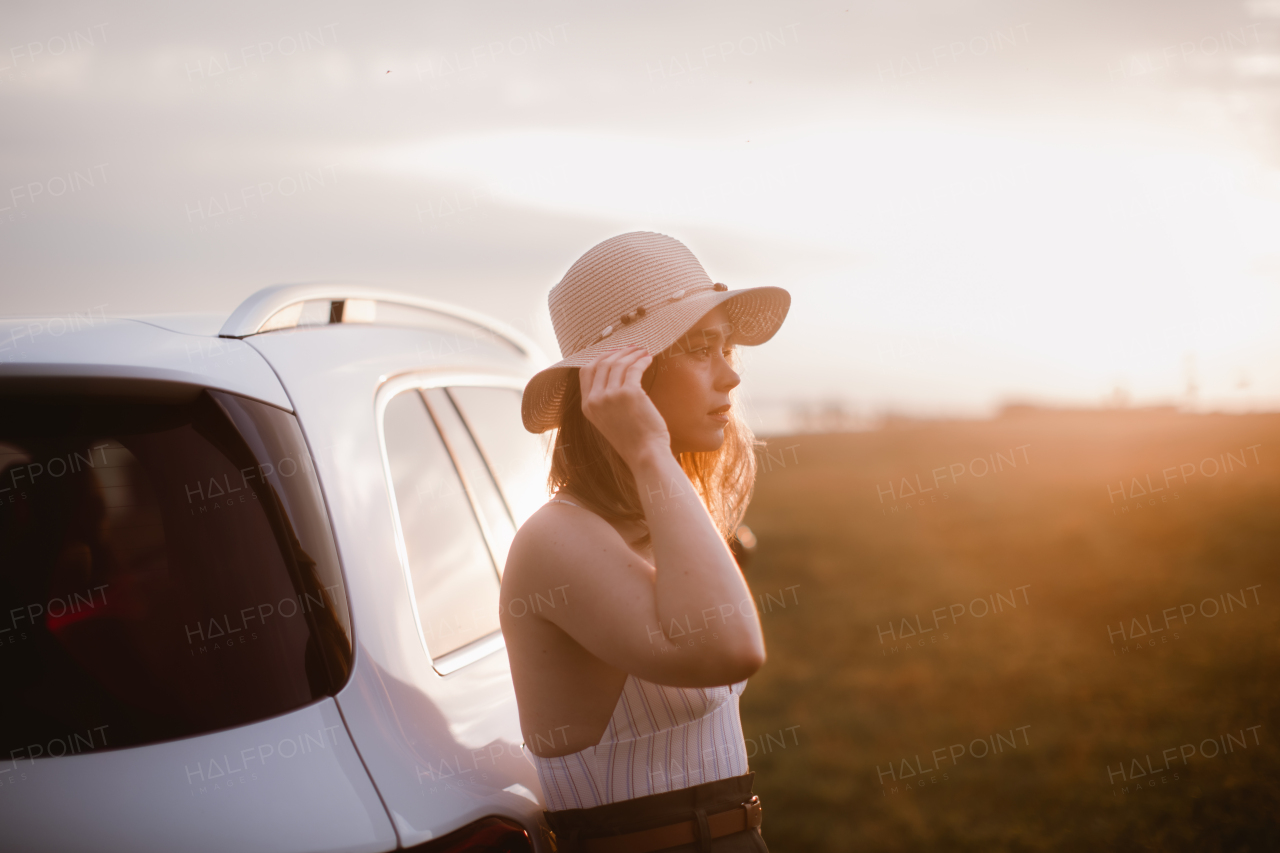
x: 638, y: 288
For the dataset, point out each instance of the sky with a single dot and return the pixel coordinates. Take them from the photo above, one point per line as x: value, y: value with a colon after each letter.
x: 972, y: 203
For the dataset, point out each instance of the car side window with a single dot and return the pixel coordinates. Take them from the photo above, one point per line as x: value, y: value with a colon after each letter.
x: 518, y: 458
x: 495, y: 519
x: 454, y: 579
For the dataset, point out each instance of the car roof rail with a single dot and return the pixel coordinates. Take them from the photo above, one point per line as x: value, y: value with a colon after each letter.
x: 287, y: 306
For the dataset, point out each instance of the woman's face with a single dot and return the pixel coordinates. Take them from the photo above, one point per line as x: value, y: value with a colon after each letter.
x: 691, y: 382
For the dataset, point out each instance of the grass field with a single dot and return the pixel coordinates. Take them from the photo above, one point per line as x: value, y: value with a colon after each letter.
x: 1006, y: 637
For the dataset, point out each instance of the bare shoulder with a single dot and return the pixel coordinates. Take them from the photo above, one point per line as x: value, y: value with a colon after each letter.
x: 561, y: 539
x: 566, y: 547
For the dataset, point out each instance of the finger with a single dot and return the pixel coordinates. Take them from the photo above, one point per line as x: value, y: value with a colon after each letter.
x: 604, y: 363
x: 593, y: 370
x: 618, y: 370
x: 636, y: 370
x: 604, y: 370
x: 619, y: 366
x: 650, y: 374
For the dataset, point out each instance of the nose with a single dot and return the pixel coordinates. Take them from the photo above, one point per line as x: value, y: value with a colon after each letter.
x: 726, y: 377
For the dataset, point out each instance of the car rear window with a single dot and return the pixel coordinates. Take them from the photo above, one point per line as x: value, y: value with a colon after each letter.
x: 166, y: 569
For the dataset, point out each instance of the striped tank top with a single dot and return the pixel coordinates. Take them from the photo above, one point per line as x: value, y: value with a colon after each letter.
x: 659, y: 739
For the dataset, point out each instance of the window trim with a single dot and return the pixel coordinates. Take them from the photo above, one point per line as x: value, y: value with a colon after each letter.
x: 422, y: 381
x: 488, y: 463
x: 467, y: 487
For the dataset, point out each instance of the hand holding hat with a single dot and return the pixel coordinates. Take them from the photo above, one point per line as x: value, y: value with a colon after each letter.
x: 614, y: 401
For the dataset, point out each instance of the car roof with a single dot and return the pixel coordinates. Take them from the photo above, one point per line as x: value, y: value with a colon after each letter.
x: 203, y: 324
x: 83, y: 353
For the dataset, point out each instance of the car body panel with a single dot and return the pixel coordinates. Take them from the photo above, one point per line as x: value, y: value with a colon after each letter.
x: 108, y: 349
x: 442, y: 750
x: 289, y: 783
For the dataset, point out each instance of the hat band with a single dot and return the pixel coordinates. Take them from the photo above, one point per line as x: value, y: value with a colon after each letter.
x: 642, y: 310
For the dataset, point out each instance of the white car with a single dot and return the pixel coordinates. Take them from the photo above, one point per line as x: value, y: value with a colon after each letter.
x: 249, y: 573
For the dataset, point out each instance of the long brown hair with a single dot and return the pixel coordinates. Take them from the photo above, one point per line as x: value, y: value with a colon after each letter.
x: 585, y: 464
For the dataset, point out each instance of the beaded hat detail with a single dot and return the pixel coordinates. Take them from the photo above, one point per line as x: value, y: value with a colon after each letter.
x: 638, y: 288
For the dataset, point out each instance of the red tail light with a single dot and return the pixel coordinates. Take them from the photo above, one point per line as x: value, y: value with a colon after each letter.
x: 488, y: 835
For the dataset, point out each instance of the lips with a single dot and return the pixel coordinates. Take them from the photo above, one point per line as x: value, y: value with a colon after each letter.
x: 722, y: 410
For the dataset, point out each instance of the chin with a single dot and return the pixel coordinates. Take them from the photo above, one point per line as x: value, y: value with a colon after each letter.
x: 704, y: 442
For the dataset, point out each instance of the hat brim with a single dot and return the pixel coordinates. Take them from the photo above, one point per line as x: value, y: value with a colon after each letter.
x: 756, y: 314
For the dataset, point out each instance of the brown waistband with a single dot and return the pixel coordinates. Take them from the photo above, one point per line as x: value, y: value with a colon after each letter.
x: 737, y: 819
x: 657, y: 821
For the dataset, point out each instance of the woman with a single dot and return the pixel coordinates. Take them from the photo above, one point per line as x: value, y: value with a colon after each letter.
x: 628, y: 686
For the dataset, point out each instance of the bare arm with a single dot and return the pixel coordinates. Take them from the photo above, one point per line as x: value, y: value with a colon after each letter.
x: 688, y: 620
